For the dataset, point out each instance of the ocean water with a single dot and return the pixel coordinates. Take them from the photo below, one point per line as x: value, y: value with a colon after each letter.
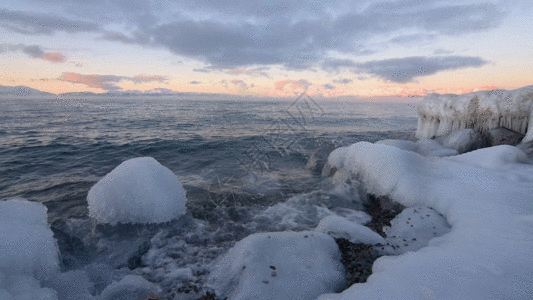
x: 53, y: 150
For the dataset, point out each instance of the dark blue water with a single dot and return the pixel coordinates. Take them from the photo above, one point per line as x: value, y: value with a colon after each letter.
x: 53, y: 150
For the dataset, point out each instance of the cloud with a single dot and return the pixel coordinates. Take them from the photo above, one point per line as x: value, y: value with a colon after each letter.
x: 343, y: 81
x: 40, y: 24
x: 328, y: 86
x: 244, y: 36
x: 148, y: 78
x: 241, y: 85
x: 292, y: 85
x: 402, y: 70
x: 107, y: 82
x: 34, y: 51
x: 195, y: 82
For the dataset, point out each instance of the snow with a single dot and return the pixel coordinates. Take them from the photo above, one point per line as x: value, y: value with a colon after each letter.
x: 486, y: 196
x: 28, y: 250
x: 131, y: 287
x: 139, y: 190
x: 441, y: 114
x: 426, y: 147
x: 282, y: 265
x: 340, y: 227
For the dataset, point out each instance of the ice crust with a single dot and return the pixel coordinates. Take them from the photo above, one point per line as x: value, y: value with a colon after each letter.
x: 342, y: 228
x: 486, y: 196
x: 131, y: 287
x: 441, y: 114
x: 281, y: 265
x: 139, y: 190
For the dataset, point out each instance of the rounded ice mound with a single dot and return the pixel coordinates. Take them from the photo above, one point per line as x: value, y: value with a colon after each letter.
x: 131, y: 287
x: 281, y: 265
x: 139, y: 190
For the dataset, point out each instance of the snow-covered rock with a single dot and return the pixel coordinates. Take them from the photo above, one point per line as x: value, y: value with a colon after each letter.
x: 335, y: 161
x: 429, y: 147
x: 441, y: 114
x: 282, y: 265
x: 486, y: 197
x: 340, y: 227
x: 139, y: 190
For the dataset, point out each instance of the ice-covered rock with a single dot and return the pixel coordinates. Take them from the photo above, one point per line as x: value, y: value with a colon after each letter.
x: 28, y: 251
x: 413, y: 228
x: 335, y: 161
x: 402, y: 144
x: 429, y: 147
x: 441, y: 114
x: 463, y: 140
x: 139, y: 190
x: 282, y: 265
x: 502, y: 136
x: 487, y: 198
x: 131, y: 287
x: 339, y: 227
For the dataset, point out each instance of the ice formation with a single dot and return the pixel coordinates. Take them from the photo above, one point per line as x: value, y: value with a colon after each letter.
x: 281, y: 265
x: 139, y: 190
x: 441, y: 114
x: 28, y: 251
x: 131, y: 287
x: 340, y: 227
x: 486, y: 197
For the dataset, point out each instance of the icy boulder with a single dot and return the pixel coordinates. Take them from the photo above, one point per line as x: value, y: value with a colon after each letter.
x: 428, y: 147
x: 139, y: 190
x: 282, y: 265
x: 441, y: 114
x: 486, y: 196
x: 28, y: 250
x: 335, y: 161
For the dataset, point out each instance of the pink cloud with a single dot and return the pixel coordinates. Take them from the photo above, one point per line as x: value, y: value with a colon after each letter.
x: 54, y: 57
x: 108, y: 82
x: 292, y: 85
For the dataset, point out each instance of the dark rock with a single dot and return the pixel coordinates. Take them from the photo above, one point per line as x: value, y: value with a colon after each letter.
x: 134, y: 261
x: 319, y: 158
x: 382, y: 210
x: 463, y: 140
x: 74, y: 253
x: 357, y: 260
x: 502, y: 136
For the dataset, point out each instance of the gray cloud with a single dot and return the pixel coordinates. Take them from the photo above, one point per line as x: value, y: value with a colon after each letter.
x: 296, y: 35
x: 108, y: 82
x: 25, y: 23
x: 343, y: 81
x: 328, y: 86
x: 34, y: 51
x: 194, y: 82
x: 402, y: 70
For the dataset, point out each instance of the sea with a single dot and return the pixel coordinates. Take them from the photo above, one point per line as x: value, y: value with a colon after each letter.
x: 54, y: 150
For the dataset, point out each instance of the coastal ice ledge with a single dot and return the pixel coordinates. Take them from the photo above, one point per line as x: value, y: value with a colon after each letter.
x: 485, y: 195
x: 439, y: 115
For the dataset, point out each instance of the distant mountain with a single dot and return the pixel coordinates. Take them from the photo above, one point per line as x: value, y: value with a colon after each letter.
x: 22, y: 91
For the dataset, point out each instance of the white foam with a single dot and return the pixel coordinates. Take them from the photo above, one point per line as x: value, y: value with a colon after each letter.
x: 485, y: 195
x: 441, y: 114
x: 139, y: 190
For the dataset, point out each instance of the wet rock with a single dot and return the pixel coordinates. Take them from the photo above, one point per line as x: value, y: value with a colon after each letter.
x: 357, y: 260
x: 134, y: 261
x: 382, y: 210
x: 319, y: 158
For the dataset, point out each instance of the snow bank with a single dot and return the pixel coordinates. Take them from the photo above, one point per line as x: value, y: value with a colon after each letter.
x: 441, y: 114
x: 28, y: 251
x: 139, y: 190
x: 487, y: 198
x: 283, y: 265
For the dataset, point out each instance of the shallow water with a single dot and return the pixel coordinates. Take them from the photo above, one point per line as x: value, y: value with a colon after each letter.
x: 54, y: 150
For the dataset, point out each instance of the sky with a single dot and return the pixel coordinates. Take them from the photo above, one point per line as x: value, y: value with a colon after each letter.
x: 272, y: 48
